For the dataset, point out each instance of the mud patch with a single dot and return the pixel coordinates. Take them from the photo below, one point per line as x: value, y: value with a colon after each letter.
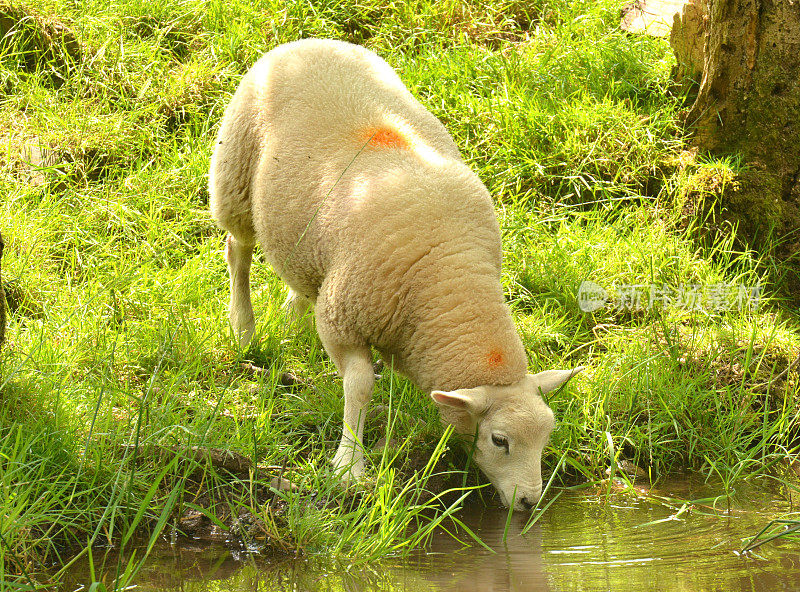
x: 227, y: 498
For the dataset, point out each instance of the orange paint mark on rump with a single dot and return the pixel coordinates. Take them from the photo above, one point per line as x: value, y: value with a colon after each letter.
x: 384, y: 137
x: 495, y: 358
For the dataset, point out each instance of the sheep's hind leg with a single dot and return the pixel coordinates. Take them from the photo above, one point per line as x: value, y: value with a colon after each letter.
x: 355, y: 365
x: 239, y: 256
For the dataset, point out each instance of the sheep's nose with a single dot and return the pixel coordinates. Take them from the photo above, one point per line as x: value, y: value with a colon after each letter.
x: 526, y: 503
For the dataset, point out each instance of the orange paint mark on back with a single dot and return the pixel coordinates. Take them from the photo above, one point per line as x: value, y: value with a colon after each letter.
x: 495, y: 358
x: 384, y: 137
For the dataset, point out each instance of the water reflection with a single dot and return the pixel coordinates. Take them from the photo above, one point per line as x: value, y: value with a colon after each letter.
x: 579, y: 544
x: 645, y: 544
x: 514, y: 564
x: 198, y: 568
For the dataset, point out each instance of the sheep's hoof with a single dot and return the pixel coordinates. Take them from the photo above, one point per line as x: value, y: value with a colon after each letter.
x: 246, y: 338
x: 347, y: 469
x: 243, y: 330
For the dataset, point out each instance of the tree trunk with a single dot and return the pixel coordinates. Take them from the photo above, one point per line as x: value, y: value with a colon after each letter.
x: 687, y: 39
x: 749, y: 104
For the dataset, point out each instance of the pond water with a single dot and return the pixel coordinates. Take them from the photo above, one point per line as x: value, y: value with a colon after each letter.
x: 651, y: 541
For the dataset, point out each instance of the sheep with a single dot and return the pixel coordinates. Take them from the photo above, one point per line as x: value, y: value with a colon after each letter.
x: 362, y: 204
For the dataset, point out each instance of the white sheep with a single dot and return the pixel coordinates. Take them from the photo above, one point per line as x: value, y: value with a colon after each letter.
x: 363, y: 205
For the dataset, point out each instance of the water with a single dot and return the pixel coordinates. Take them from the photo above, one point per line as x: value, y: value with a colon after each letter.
x: 646, y: 542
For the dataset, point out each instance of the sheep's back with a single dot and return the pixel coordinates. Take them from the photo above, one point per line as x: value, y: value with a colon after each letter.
x: 329, y: 118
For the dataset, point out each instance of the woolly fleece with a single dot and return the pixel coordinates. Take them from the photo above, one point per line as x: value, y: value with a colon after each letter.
x: 362, y: 203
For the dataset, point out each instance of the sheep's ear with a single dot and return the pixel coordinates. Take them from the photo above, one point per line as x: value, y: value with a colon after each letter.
x: 472, y: 400
x: 550, y: 380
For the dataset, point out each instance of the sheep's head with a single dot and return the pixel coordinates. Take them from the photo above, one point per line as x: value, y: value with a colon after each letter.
x: 511, y: 425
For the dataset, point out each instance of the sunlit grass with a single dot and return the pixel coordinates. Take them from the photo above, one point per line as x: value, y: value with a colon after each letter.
x: 118, y: 334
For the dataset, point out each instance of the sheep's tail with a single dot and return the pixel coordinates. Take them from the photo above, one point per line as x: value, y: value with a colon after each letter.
x: 232, y: 171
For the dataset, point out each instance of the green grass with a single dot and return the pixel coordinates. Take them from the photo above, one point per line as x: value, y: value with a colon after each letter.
x: 117, y: 287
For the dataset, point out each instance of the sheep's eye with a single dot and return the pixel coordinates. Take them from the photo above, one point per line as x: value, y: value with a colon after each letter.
x: 500, y: 441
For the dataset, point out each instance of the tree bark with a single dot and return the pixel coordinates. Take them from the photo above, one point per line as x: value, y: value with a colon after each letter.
x: 749, y: 104
x: 687, y: 38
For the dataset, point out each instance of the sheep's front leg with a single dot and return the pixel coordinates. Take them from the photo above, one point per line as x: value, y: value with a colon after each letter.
x: 355, y: 366
x: 239, y: 256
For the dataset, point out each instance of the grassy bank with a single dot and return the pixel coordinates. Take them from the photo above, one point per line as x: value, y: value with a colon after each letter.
x: 119, y: 358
